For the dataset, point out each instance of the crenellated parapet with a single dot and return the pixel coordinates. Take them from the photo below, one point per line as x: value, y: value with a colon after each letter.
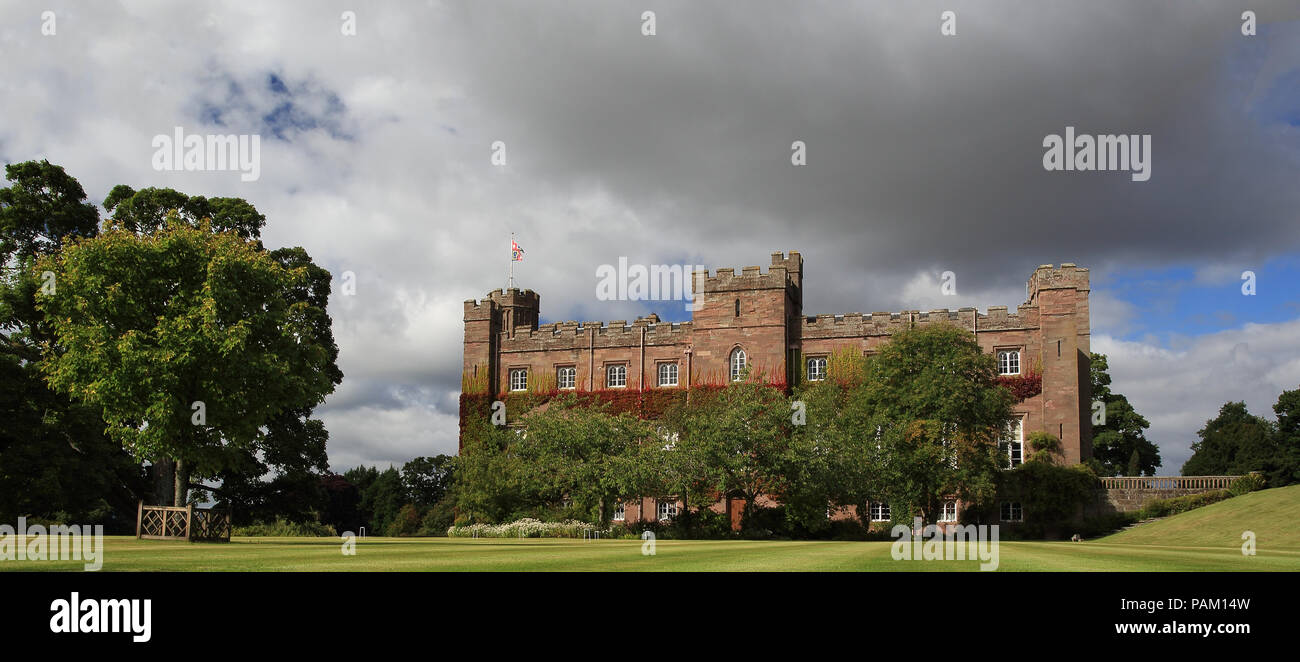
x: 783, y: 273
x: 1066, y: 277
x: 615, y: 333
x: 850, y: 325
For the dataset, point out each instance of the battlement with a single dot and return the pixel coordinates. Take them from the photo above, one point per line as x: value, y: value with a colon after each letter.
x: 1048, y: 277
x: 512, y: 297
x: 749, y: 278
x: 850, y: 325
x: 572, y: 328
x: 515, y: 297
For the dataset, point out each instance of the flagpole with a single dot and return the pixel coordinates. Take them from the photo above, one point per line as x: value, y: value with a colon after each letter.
x: 511, y: 282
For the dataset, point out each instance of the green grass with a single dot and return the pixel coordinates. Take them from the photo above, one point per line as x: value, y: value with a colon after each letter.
x: 1208, y: 538
x: 442, y: 554
x: 1274, y: 516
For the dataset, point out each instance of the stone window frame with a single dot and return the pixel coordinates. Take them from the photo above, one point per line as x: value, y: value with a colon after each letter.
x: 620, y: 512
x: 1019, y: 352
x: 659, y: 373
x: 944, y: 516
x: 733, y: 374
x: 825, y: 360
x: 559, y: 381
x: 665, y: 509
x: 609, y: 368
x: 510, y: 374
x: 1011, y: 511
x: 879, y: 511
x: 1013, y: 444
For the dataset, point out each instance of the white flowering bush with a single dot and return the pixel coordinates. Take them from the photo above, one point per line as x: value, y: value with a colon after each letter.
x: 528, y: 528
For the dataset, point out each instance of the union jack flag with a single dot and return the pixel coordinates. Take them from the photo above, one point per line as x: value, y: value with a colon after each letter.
x: 516, y: 253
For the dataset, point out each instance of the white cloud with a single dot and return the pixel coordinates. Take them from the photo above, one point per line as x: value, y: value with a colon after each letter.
x: 1178, y: 390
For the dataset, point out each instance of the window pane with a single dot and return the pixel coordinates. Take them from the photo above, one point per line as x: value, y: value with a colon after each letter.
x: 737, y: 364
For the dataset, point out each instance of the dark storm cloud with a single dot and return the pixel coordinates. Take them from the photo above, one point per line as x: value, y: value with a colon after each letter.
x: 924, y: 155
x: 923, y: 150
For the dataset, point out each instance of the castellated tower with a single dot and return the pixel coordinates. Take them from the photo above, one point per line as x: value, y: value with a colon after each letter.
x: 501, y: 314
x: 1062, y: 299
x: 751, y: 312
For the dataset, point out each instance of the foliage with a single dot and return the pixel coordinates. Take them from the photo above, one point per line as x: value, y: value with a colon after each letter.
x: 1023, y: 386
x: 1234, y: 442
x: 933, y: 396
x: 54, y: 456
x: 1043, y: 447
x: 341, y: 507
x: 1182, y: 504
x: 283, y: 528
x: 1246, y: 484
x: 1286, y: 469
x: 1051, y: 495
x: 154, y: 326
x: 438, y: 518
x: 527, y: 528
x: 736, y: 443
x: 427, y: 479
x: 1120, y: 447
x: 406, y: 523
x: 147, y: 211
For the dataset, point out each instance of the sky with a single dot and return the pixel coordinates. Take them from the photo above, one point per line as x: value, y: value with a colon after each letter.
x: 924, y: 155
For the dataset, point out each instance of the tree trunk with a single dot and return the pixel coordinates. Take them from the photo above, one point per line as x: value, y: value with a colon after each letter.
x: 164, y: 481
x: 182, y: 483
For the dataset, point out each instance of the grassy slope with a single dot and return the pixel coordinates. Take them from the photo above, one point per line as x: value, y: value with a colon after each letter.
x: 1274, y: 516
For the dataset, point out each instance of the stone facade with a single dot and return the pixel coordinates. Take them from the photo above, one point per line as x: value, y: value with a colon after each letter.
x: 761, y: 314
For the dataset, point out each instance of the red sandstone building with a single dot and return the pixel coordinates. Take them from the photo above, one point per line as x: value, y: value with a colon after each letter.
x: 756, y: 319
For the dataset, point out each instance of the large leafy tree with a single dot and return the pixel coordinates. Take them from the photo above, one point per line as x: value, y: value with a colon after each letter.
x: 146, y: 211
x: 735, y: 443
x: 489, y: 474
x: 196, y: 345
x: 428, y: 479
x: 1120, y: 446
x: 1232, y: 443
x: 1288, y: 439
x: 582, y: 455
x: 55, y: 460
x: 931, y: 402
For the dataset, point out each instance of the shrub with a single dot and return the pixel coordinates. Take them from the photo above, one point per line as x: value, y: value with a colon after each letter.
x: 1182, y: 504
x: 1093, y: 527
x: 1049, y: 493
x: 528, y: 528
x: 281, y: 528
x: 631, y: 530
x: 1245, y: 484
x: 439, y: 518
x: 1043, y: 446
x: 407, y: 522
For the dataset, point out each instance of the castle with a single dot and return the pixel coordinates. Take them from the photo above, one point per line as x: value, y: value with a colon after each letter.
x: 753, y: 318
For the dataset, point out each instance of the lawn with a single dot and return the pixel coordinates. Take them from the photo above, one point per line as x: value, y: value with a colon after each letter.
x: 442, y: 554
x: 1208, y: 538
x: 1273, y: 515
